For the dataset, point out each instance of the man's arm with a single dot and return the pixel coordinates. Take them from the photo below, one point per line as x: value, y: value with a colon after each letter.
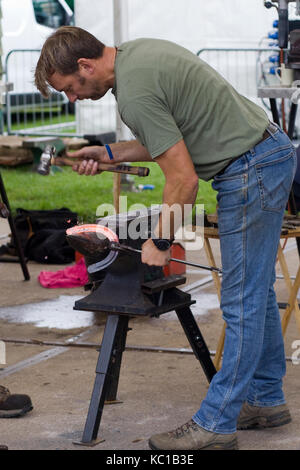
x: 131, y: 151
x: 180, y: 189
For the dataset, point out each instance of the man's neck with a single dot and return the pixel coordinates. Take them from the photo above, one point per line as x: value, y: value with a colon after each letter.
x: 107, y: 63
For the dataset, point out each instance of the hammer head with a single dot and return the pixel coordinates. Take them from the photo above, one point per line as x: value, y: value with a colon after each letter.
x: 45, y: 160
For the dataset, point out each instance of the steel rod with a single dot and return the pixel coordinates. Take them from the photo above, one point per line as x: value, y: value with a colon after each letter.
x: 119, y: 247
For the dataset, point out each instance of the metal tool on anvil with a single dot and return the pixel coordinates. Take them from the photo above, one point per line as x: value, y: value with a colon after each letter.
x: 121, y: 247
x: 91, y: 240
x: 48, y: 159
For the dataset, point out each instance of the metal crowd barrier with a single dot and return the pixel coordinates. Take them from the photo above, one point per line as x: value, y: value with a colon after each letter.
x: 245, y: 69
x: 26, y: 111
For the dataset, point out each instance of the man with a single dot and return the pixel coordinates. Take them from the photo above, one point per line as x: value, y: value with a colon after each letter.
x: 195, y: 125
x: 12, y: 405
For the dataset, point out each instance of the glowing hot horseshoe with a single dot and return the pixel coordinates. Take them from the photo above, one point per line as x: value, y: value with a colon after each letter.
x: 103, y: 231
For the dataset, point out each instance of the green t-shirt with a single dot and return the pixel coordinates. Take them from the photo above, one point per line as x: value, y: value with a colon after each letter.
x: 165, y: 93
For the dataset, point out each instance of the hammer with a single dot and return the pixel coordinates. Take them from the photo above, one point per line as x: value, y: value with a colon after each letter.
x: 48, y: 159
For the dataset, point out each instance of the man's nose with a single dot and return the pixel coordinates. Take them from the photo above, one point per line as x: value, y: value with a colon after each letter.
x: 72, y: 97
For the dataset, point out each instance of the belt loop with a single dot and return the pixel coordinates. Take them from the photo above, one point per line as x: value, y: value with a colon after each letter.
x: 252, y: 151
x: 269, y: 130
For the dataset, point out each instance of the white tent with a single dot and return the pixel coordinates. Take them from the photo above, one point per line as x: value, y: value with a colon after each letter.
x: 194, y: 24
x: 191, y: 23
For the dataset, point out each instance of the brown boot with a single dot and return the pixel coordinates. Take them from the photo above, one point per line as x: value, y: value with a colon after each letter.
x: 259, y: 417
x: 190, y: 436
x: 3, y: 447
x: 13, y: 406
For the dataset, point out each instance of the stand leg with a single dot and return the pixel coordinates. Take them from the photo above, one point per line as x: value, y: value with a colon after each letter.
x: 102, y: 380
x: 115, y: 364
x: 274, y: 110
x: 14, y: 232
x: 196, y: 340
x: 291, y: 304
x: 292, y: 119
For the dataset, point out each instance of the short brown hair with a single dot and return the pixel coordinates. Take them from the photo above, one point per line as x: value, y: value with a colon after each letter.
x: 61, y: 52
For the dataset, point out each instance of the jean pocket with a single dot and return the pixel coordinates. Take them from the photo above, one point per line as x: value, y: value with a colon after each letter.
x: 232, y: 191
x: 275, y: 180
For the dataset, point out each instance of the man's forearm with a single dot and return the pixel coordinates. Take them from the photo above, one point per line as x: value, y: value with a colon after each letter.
x: 178, y: 201
x: 131, y: 151
x: 88, y: 158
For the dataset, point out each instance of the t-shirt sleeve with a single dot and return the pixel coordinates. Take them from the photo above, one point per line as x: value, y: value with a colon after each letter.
x: 152, y: 124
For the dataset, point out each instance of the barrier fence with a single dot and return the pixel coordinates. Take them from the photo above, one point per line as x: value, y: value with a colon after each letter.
x: 245, y: 69
x: 28, y: 113
x: 26, y: 110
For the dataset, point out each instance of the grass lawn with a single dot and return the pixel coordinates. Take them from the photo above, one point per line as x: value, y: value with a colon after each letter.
x: 83, y: 194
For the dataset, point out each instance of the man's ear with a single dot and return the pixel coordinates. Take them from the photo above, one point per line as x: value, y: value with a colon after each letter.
x: 86, y: 65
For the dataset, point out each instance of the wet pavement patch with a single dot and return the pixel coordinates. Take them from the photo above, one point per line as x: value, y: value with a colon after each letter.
x: 57, y: 313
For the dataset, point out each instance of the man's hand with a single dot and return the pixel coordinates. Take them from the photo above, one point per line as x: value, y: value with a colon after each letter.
x: 90, y: 157
x: 153, y: 256
x: 131, y: 151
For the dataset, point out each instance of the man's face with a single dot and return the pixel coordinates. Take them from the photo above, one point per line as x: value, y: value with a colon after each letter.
x: 78, y: 87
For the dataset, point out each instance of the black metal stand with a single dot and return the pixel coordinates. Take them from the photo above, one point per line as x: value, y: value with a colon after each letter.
x: 292, y: 116
x: 274, y: 110
x: 167, y: 299
x: 14, y: 232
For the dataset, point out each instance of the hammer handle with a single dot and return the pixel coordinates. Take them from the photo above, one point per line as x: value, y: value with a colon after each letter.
x: 127, y: 169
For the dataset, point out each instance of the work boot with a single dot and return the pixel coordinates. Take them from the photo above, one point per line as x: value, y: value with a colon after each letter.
x: 259, y: 417
x: 13, y: 406
x: 3, y: 447
x: 190, y: 436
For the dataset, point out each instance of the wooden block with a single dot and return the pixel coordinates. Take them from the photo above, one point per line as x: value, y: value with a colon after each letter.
x: 75, y: 143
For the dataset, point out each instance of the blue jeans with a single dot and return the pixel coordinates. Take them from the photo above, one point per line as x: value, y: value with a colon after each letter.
x: 252, y: 196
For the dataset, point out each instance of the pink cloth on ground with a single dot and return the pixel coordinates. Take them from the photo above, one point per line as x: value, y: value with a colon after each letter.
x: 72, y: 276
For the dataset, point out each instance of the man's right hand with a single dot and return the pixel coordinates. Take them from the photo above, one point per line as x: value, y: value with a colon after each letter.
x: 131, y: 151
x: 89, y: 156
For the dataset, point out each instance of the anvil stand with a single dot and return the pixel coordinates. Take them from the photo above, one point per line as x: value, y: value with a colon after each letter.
x: 122, y: 295
x: 14, y: 232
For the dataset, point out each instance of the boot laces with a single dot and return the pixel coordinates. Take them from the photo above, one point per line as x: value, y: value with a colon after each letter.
x: 4, y: 393
x: 185, y: 429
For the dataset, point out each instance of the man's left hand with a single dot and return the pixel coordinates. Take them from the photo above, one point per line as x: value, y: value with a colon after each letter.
x: 152, y: 256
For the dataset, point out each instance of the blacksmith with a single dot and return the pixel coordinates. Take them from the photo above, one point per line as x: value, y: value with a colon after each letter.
x: 193, y: 124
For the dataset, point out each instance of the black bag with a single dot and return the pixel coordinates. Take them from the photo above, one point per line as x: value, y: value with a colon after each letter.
x: 43, y: 234
x: 50, y: 247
